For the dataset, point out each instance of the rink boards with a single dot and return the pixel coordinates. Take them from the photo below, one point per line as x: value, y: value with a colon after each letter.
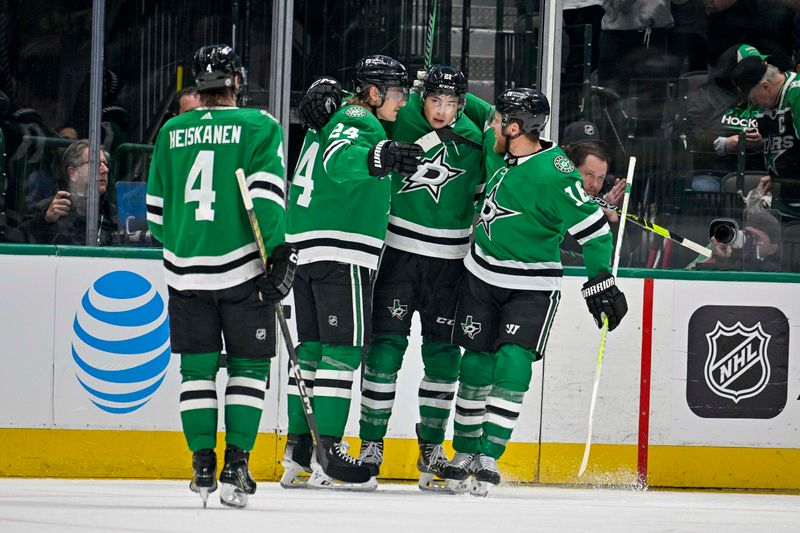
x: 699, y: 385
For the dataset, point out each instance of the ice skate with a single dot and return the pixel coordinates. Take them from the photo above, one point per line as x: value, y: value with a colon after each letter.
x: 484, y: 474
x: 371, y: 455
x: 431, y: 463
x: 457, y: 472
x: 204, y: 481
x: 296, y: 461
x: 342, y: 471
x: 235, y: 480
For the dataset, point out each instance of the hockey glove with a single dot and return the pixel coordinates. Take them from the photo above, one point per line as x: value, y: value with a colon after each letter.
x: 394, y: 156
x: 320, y: 102
x: 277, y: 282
x: 604, y: 298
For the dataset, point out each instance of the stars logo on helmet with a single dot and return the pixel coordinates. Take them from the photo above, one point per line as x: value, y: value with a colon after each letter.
x: 492, y: 211
x: 432, y: 175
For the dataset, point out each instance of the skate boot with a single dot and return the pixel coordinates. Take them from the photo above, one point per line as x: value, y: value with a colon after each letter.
x: 337, y: 469
x: 235, y: 480
x: 457, y: 473
x: 372, y: 455
x: 296, y: 460
x: 484, y: 474
x: 430, y: 463
x: 204, y: 481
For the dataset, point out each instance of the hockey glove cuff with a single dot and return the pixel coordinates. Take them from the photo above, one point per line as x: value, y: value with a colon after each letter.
x: 604, y: 298
x: 281, y: 267
x: 320, y: 102
x: 394, y: 156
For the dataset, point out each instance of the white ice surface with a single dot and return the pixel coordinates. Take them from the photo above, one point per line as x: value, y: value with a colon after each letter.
x: 37, y: 505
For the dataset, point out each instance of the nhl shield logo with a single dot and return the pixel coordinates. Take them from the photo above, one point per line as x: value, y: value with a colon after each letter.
x: 737, y: 366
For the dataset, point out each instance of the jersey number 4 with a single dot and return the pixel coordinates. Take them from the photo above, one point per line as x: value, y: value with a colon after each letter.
x: 302, y: 174
x: 202, y: 168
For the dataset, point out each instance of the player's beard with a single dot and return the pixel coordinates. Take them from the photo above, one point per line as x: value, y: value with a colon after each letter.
x: 499, y: 144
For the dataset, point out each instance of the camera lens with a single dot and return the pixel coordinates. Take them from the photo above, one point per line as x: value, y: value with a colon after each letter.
x: 723, y: 231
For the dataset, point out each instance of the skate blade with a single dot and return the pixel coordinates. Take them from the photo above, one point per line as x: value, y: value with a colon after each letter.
x: 322, y: 481
x: 203, y: 496
x: 480, y: 488
x: 428, y: 482
x: 458, y: 486
x: 294, y: 477
x: 230, y: 496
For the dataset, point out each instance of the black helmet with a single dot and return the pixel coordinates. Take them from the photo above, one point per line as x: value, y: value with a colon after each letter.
x: 216, y: 66
x: 443, y: 79
x: 381, y: 71
x: 527, y: 106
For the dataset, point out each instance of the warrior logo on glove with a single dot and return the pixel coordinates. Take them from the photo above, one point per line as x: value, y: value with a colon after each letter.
x: 604, y: 298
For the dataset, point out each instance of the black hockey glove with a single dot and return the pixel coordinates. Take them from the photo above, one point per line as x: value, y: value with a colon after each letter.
x: 277, y: 282
x: 394, y: 156
x: 604, y: 298
x: 320, y: 102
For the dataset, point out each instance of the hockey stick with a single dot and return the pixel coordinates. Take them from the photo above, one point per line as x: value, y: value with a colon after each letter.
x: 655, y: 228
x: 322, y: 458
x: 429, y: 39
x: 604, y: 332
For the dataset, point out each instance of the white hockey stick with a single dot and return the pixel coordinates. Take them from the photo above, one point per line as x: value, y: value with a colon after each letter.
x: 614, y: 268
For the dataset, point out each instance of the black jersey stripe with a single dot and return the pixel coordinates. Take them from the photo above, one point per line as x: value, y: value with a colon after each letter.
x: 155, y: 210
x: 375, y: 395
x: 244, y: 391
x: 532, y: 273
x: 405, y: 232
x: 337, y: 243
x: 585, y: 232
x: 211, y: 269
x: 309, y: 383
x: 505, y: 413
x: 436, y: 394
x: 463, y: 411
x: 267, y: 186
x: 198, y: 394
x: 333, y: 383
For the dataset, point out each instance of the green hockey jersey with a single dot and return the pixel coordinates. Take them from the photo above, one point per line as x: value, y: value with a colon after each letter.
x: 432, y: 210
x: 194, y: 206
x: 527, y: 209
x: 337, y: 210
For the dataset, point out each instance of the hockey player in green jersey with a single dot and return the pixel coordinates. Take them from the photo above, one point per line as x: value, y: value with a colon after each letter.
x: 511, y: 290
x: 217, y: 287
x: 338, y: 213
x: 422, y: 265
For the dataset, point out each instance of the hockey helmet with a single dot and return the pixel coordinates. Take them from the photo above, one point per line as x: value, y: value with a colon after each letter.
x: 443, y: 79
x: 216, y: 66
x: 527, y: 106
x: 381, y: 71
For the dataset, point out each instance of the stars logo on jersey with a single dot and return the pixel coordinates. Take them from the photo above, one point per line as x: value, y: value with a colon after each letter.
x: 492, y: 211
x: 355, y: 111
x: 563, y: 164
x: 432, y: 175
x: 470, y: 328
x: 396, y: 310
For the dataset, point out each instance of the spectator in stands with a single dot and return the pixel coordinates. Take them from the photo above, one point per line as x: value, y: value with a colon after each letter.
x: 582, y: 143
x: 188, y: 98
x: 777, y: 94
x: 61, y: 218
x: 49, y: 177
x: 713, y: 121
x: 757, y: 247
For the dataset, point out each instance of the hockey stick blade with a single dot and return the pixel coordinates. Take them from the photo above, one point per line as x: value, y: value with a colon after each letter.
x: 294, y: 366
x: 655, y: 228
x: 599, y: 366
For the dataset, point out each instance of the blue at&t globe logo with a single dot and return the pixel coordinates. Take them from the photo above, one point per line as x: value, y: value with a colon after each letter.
x: 120, y: 342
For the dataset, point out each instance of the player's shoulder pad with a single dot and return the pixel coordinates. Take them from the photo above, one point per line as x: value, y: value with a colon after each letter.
x: 555, y: 157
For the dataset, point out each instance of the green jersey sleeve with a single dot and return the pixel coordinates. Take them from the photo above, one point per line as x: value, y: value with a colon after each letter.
x: 584, y: 220
x: 266, y: 182
x: 350, y: 135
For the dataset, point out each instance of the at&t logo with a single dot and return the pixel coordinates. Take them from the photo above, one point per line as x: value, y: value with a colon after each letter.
x: 120, y: 342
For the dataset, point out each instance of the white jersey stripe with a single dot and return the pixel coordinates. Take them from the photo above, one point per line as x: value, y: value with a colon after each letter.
x: 376, y: 404
x: 602, y: 231
x: 586, y: 222
x: 155, y: 201
x: 333, y: 234
x: 199, y: 403
x: 210, y: 260
x: 267, y: 195
x: 245, y: 400
x: 438, y: 387
x: 211, y: 282
x: 332, y: 392
x: 508, y: 281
